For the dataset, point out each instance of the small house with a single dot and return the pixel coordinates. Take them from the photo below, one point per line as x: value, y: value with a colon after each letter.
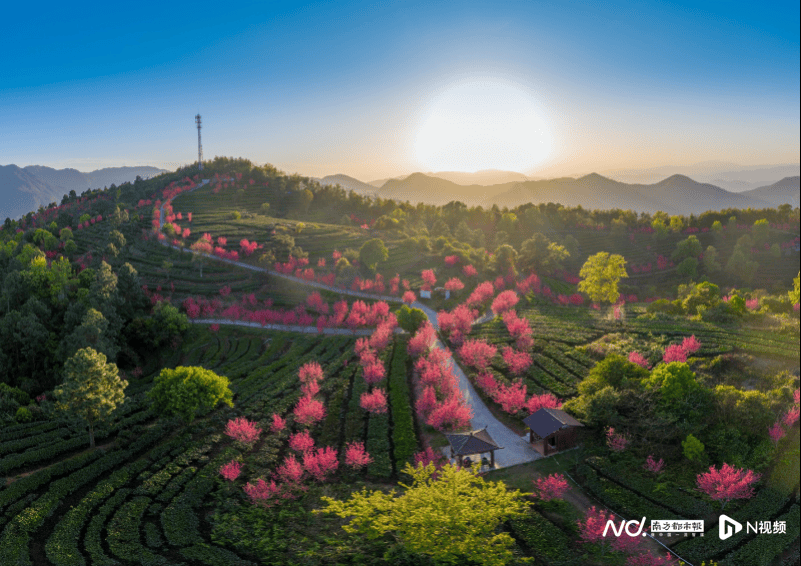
x: 552, y: 430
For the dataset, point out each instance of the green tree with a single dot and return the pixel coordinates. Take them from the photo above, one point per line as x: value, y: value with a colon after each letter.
x: 185, y: 390
x: 505, y: 259
x: 613, y: 371
x: 711, y: 262
x: 760, y: 231
x: 410, y: 319
x: 690, y: 247
x: 542, y: 256
x: 115, y: 237
x: 693, y: 448
x: 688, y: 268
x: 91, y: 390
x: 451, y: 515
x: 674, y: 380
x: 795, y: 292
x: 373, y: 252
x: 600, y: 275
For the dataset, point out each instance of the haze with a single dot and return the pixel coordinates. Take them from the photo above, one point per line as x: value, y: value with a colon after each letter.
x: 376, y: 91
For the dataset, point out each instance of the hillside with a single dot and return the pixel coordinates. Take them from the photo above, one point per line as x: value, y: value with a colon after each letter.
x: 349, y: 184
x: 25, y: 189
x: 419, y: 187
x: 781, y: 192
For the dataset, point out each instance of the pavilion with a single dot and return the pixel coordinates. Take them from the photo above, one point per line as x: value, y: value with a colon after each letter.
x: 473, y: 442
x: 552, y: 430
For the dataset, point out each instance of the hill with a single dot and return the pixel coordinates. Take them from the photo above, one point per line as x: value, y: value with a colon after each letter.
x: 782, y: 192
x: 675, y: 195
x: 419, y: 187
x: 25, y: 189
x: 349, y: 184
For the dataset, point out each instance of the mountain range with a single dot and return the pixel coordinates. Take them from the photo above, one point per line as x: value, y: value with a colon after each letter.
x: 676, y: 194
x: 25, y: 189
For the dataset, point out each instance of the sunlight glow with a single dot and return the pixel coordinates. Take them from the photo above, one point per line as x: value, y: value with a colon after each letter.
x: 482, y: 125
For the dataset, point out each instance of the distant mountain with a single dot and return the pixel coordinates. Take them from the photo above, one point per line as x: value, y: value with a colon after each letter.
x: 677, y: 194
x: 23, y: 190
x: 349, y: 184
x: 485, y: 178
x: 419, y: 187
x: 730, y: 176
x: 380, y: 182
x: 785, y: 191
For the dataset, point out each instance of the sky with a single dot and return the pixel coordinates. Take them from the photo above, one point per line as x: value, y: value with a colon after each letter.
x: 375, y: 90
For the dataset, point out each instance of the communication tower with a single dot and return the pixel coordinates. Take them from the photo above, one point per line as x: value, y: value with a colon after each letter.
x: 199, y: 145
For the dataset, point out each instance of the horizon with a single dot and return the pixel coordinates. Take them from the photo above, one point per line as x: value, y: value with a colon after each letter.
x: 381, y: 91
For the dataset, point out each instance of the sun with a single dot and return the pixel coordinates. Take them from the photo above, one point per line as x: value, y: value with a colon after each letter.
x: 480, y: 125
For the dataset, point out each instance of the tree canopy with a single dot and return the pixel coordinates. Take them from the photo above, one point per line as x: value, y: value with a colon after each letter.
x: 185, y: 390
x: 373, y: 252
x: 600, y: 275
x: 450, y: 514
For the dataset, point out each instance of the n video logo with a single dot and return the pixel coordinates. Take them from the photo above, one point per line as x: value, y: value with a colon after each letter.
x: 728, y: 527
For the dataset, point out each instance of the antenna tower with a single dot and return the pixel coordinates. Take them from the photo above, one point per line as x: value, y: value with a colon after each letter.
x: 199, y: 145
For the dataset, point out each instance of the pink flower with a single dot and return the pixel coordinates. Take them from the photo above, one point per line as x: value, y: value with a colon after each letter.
x: 278, y: 424
x: 374, y: 401
x: 321, y: 462
x: 616, y: 442
x: 231, y: 470
x: 242, y: 430
x: 356, y: 456
x: 309, y: 411
x: 639, y: 359
x: 551, y: 487
x: 301, y: 441
x: 654, y: 466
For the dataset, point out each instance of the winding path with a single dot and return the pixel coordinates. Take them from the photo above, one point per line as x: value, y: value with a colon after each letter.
x: 516, y: 450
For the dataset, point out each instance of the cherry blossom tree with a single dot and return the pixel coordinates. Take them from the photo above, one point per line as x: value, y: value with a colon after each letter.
x: 727, y: 483
x: 674, y: 353
x: 356, y: 456
x: 691, y: 344
x: 261, y: 492
x: 242, y: 430
x: 309, y: 411
x: 231, y: 470
x: 290, y: 470
x: 488, y: 384
x: 791, y: 417
x: 469, y: 271
x: 504, y: 301
x: 511, y: 398
x: 654, y: 466
x: 591, y: 529
x: 639, y: 359
x: 321, y: 462
x: 422, y: 341
x: 481, y: 294
x: 452, y: 413
x: 477, y: 353
x: 648, y: 559
x: 544, y: 401
x: 617, y: 442
x: 776, y: 432
x: 409, y: 297
x: 374, y: 401
x: 374, y: 372
x: 310, y: 371
x: 429, y: 279
x: 454, y: 284
x: 517, y: 362
x: 301, y: 441
x: 551, y: 487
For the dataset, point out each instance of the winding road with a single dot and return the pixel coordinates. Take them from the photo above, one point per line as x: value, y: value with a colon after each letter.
x: 516, y: 449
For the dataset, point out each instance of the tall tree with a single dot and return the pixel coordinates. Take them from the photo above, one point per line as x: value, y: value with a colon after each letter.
x: 184, y: 391
x: 600, y: 275
x: 373, y: 252
x: 92, y: 388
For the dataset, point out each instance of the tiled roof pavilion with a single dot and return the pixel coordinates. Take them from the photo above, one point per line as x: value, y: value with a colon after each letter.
x: 473, y: 442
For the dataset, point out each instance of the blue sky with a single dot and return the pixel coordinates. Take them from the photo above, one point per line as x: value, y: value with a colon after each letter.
x: 336, y: 87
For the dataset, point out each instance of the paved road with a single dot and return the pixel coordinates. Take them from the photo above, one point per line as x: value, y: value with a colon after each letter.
x: 516, y: 450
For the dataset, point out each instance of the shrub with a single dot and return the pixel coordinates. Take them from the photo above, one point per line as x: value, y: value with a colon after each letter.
x: 23, y: 415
